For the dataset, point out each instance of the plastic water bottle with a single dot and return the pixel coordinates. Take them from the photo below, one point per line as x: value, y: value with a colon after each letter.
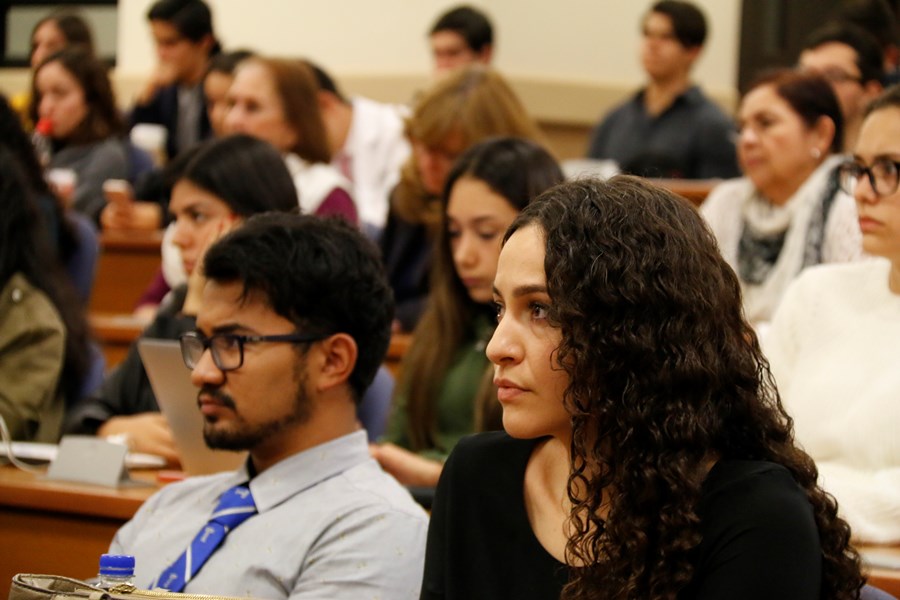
x: 116, y: 569
x: 40, y: 139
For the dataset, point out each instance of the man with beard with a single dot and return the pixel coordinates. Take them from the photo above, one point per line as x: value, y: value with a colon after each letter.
x: 294, y: 322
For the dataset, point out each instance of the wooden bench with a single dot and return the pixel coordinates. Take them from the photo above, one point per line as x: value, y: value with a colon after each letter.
x: 127, y: 264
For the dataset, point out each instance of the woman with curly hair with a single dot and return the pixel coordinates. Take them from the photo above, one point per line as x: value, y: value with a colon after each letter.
x: 646, y: 453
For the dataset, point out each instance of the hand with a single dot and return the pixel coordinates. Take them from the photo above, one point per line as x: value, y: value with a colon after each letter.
x: 145, y: 313
x: 146, y: 216
x: 407, y: 467
x: 163, y: 75
x: 146, y: 432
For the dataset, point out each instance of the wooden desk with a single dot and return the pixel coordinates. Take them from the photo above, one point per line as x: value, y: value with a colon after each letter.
x: 394, y: 358
x: 883, y: 578
x: 128, y: 261
x: 115, y: 333
x: 60, y: 528
x: 695, y: 190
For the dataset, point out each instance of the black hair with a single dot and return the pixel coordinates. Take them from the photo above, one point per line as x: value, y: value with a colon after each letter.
x: 470, y: 23
x: 322, y: 274
x: 324, y: 80
x: 227, y: 62
x: 868, y: 55
x: 192, y: 19
x: 25, y: 248
x: 688, y: 22
x: 246, y: 173
x: 62, y: 236
x: 874, y: 16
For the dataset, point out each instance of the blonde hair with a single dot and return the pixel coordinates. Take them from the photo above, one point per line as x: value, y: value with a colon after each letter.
x: 473, y: 103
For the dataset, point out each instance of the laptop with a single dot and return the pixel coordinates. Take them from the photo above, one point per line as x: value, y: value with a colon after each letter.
x: 177, y: 399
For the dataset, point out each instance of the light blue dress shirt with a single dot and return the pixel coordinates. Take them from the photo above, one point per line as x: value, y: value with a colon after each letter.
x: 331, y: 525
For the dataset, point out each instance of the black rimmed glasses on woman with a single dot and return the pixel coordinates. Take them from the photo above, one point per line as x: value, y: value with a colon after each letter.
x: 882, y: 175
x: 228, y: 348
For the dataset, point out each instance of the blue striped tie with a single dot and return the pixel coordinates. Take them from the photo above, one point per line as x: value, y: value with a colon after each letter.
x: 235, y: 506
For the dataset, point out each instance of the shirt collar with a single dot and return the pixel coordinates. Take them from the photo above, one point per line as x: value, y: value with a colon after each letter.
x: 306, y: 469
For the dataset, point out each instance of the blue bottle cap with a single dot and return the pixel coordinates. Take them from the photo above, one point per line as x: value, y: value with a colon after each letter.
x: 121, y: 565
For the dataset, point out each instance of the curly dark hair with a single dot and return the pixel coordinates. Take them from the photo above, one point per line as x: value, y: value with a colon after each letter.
x: 665, y: 373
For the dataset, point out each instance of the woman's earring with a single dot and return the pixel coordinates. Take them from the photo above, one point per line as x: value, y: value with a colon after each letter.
x: 816, y: 153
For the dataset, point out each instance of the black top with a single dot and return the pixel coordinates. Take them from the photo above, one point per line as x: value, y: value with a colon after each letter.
x: 759, y: 536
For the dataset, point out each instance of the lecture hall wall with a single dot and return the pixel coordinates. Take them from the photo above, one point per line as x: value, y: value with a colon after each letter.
x: 570, y: 59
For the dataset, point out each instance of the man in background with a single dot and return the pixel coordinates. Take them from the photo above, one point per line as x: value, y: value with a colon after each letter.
x: 173, y: 96
x: 461, y: 36
x: 850, y: 59
x: 669, y: 128
x: 368, y: 146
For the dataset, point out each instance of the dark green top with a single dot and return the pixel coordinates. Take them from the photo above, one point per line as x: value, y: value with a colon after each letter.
x: 456, y: 398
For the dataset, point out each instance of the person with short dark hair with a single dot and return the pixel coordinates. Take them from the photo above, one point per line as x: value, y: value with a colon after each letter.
x: 646, y: 451
x: 294, y: 322
x: 878, y: 18
x: 461, y: 36
x: 173, y: 97
x: 849, y: 58
x: 669, y: 128
x: 73, y: 94
x: 368, y: 146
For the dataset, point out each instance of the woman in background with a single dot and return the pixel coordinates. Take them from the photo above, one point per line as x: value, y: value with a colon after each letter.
x: 43, y: 333
x: 73, y: 94
x: 787, y: 212
x: 275, y: 100
x: 52, y: 33
x: 223, y: 182
x: 445, y: 391
x: 835, y: 340
x: 646, y: 452
x: 464, y: 108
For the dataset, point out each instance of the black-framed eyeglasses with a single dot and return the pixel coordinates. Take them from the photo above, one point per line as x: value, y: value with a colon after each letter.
x: 883, y: 176
x: 228, y: 348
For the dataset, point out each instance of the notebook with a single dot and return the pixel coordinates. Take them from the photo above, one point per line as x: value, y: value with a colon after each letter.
x: 177, y: 399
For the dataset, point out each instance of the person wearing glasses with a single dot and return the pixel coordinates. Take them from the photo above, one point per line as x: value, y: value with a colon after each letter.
x: 834, y: 342
x: 222, y: 183
x: 294, y: 322
x: 850, y: 60
x: 787, y: 212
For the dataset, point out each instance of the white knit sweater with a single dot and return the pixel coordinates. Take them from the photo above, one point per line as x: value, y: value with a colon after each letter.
x: 834, y: 347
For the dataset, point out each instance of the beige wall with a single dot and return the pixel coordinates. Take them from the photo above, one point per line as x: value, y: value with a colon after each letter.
x: 570, y: 59
x: 580, y: 50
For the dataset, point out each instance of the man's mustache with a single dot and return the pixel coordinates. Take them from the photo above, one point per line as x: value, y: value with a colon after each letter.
x: 216, y: 394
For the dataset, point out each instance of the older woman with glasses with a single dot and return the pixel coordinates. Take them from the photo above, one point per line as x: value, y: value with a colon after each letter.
x: 834, y: 344
x: 787, y: 212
